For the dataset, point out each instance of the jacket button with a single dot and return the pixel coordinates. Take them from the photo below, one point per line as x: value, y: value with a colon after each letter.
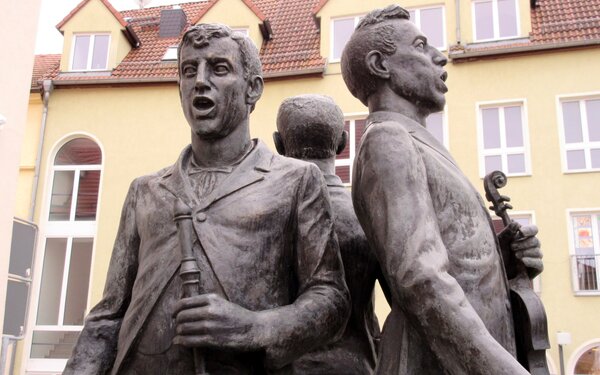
x: 201, y: 217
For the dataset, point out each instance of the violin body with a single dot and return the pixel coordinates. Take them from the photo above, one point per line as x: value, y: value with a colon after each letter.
x: 529, y: 315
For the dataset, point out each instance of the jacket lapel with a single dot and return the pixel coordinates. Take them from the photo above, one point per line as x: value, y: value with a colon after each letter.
x: 176, y: 181
x: 250, y: 171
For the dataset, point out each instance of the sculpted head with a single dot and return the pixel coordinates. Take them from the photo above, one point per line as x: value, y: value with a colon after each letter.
x: 310, y: 127
x: 220, y: 79
x: 387, y: 51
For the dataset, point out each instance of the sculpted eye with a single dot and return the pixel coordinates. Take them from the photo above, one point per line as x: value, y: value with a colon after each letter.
x: 189, y: 70
x: 221, y: 69
x: 420, y: 44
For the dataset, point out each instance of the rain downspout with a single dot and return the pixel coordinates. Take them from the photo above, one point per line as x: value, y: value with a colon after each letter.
x: 47, y: 88
x: 457, y: 9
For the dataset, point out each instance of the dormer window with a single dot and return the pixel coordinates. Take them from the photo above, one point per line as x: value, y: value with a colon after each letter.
x: 495, y: 19
x: 171, y: 54
x: 90, y: 52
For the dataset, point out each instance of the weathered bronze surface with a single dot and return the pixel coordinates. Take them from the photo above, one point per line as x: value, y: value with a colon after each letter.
x: 311, y: 128
x: 271, y: 284
x: 428, y: 226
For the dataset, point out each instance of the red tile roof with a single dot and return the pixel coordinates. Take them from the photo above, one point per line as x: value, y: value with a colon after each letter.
x: 295, y: 45
x: 42, y: 65
x: 82, y: 4
x: 564, y: 20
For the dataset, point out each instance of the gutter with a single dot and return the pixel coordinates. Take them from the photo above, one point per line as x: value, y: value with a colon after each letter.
x: 121, y: 81
x: 523, y: 49
x: 457, y: 9
x: 47, y: 88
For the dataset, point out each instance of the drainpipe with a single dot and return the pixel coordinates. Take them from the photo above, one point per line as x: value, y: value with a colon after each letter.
x: 47, y: 88
x: 457, y: 9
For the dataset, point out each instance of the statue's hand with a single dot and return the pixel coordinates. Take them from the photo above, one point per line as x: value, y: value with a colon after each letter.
x: 524, y: 245
x: 209, y: 320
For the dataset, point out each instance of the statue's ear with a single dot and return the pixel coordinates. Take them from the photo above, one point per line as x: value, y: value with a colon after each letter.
x: 377, y: 64
x: 255, y: 90
x: 279, y: 143
x: 342, y: 144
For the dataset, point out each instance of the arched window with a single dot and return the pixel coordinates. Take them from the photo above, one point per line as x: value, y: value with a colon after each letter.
x: 588, y: 361
x: 68, y: 236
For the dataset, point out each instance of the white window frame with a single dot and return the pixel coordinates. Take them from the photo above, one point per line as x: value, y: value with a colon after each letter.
x: 571, y: 236
x: 59, y: 229
x: 504, y: 151
x: 244, y: 30
x: 332, y: 35
x: 586, y: 145
x: 351, y: 117
x: 90, y: 51
x: 496, y: 22
x: 417, y: 22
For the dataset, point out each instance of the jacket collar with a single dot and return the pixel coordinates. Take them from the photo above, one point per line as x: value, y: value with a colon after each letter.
x: 416, y: 130
x: 333, y: 180
x: 250, y: 170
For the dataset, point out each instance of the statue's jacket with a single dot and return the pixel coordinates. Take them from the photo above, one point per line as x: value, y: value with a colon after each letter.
x: 355, y: 353
x: 433, y: 236
x: 268, y: 243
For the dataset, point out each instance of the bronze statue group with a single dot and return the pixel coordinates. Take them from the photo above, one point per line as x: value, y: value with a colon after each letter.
x: 270, y: 265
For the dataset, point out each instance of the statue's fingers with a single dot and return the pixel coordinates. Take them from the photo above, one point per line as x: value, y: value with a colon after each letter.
x: 190, y: 302
x: 526, y: 243
x: 193, y: 341
x: 534, y: 263
x: 528, y: 230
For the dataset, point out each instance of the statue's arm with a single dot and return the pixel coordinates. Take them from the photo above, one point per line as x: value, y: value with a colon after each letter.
x: 320, y: 312
x: 392, y: 200
x: 96, y: 347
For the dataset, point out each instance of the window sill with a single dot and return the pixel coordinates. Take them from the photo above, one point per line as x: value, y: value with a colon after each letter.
x: 527, y: 174
x: 579, y: 171
x: 587, y: 293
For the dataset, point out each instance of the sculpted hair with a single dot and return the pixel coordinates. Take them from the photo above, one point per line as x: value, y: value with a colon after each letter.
x: 371, y: 34
x: 200, y: 35
x: 311, y: 126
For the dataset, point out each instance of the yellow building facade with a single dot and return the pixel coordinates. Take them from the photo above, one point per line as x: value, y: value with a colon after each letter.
x: 519, y: 101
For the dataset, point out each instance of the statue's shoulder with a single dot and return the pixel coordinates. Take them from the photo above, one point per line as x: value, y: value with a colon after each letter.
x: 382, y: 133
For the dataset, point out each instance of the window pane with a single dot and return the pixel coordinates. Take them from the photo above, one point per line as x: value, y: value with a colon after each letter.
x: 79, y: 151
x: 575, y: 159
x: 342, y: 30
x: 507, y: 14
x: 359, y: 130
x: 593, y: 119
x: 345, y: 154
x: 62, y: 194
x: 79, y: 278
x: 493, y: 163
x: 100, y: 54
x: 51, y: 284
x: 53, y: 345
x: 80, y: 52
x: 595, y: 156
x: 514, y: 126
x: 87, y: 196
x: 516, y: 163
x: 15, y: 307
x: 491, y: 128
x: 435, y: 125
x: 572, y: 122
x: 484, y: 25
x: 343, y: 172
x: 432, y: 25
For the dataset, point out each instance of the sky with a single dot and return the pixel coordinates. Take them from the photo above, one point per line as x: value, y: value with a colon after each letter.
x: 50, y: 40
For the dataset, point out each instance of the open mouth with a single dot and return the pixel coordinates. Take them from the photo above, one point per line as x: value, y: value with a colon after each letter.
x: 444, y: 76
x: 203, y: 103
